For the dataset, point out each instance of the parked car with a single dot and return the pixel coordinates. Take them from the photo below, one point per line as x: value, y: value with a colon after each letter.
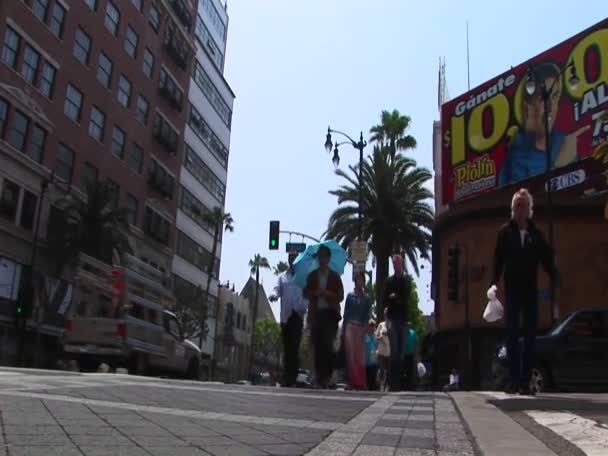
x: 143, y: 337
x: 574, y: 355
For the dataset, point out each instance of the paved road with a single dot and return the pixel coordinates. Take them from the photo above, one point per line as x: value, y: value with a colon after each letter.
x: 56, y: 413
x: 568, y: 424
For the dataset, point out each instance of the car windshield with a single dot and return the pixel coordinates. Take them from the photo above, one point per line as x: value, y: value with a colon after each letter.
x: 560, y: 327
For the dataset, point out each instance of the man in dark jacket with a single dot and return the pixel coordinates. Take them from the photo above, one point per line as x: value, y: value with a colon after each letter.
x: 520, y: 249
x: 397, y: 293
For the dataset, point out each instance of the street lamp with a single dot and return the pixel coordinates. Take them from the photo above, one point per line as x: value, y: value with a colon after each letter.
x: 534, y: 83
x: 359, y: 145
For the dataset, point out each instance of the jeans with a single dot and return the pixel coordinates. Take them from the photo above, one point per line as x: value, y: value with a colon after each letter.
x: 409, y: 372
x: 521, y: 361
x: 396, y: 335
x: 292, y: 334
x: 323, y: 332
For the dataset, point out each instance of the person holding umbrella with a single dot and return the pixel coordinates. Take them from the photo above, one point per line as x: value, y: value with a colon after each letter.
x: 324, y: 291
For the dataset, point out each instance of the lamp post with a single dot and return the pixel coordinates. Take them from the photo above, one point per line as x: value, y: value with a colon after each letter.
x: 538, y: 83
x: 359, y: 145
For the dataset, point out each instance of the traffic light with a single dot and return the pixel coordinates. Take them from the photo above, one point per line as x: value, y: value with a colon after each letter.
x: 453, y: 273
x: 273, y: 239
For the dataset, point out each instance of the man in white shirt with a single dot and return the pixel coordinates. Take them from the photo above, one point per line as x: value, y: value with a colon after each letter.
x: 293, y: 308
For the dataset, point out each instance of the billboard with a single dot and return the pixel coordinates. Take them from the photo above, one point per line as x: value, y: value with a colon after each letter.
x: 494, y: 135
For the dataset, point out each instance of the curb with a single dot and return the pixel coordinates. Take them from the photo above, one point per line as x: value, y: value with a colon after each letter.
x: 494, y: 433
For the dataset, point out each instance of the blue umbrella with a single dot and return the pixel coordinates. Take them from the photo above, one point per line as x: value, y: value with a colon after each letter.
x: 307, y: 261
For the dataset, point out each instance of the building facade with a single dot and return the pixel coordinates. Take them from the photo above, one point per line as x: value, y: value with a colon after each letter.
x: 202, y: 172
x: 92, y: 91
x: 232, y: 352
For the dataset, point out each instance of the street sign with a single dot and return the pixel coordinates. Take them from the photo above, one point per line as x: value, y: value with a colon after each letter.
x: 295, y: 246
x: 358, y: 251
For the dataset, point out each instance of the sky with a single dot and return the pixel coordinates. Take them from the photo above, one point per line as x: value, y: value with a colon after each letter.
x: 297, y: 67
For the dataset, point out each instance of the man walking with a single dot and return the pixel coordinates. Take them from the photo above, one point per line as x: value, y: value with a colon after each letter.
x: 396, y: 299
x: 520, y: 249
x: 293, y: 308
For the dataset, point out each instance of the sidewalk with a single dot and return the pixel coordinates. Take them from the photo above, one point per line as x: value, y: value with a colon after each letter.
x: 415, y: 424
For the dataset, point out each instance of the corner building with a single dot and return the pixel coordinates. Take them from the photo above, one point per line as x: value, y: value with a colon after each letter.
x: 91, y: 90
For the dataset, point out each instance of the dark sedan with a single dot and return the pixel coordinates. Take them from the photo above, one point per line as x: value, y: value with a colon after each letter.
x: 572, y: 356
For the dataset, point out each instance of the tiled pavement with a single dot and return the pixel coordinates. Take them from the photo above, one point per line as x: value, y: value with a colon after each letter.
x: 95, y: 415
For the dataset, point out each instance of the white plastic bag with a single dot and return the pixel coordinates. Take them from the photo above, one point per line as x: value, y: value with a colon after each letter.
x: 421, y: 370
x: 494, y: 310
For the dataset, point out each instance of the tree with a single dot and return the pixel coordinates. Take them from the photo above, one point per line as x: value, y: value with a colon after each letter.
x: 188, y: 300
x: 415, y: 314
x: 255, y: 264
x: 391, y: 132
x: 267, y: 341
x: 397, y: 216
x: 281, y: 267
x: 93, y: 226
x: 216, y: 219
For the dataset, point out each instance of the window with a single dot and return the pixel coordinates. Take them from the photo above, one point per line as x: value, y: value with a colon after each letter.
x: 213, y: 95
x: 196, y: 210
x: 142, y: 109
x: 206, y: 41
x: 118, y: 142
x: 18, y: 133
x: 10, y: 200
x: 91, y: 4
x: 196, y: 254
x: 3, y: 115
x: 57, y: 20
x: 82, y: 46
x: 208, y: 137
x: 177, y: 47
x: 124, y: 91
x: 238, y: 320
x: 160, y: 179
x: 47, y: 80
x: 28, y: 210
x: 40, y: 9
x: 156, y: 226
x: 136, y: 159
x: 89, y: 175
x: 64, y: 164
x: 37, y: 143
x: 164, y: 133
x: 104, y: 70
x: 204, y: 175
x: 30, y: 64
x: 73, y: 103
x: 114, y: 193
x: 10, y: 50
x: 112, y: 20
x: 97, y: 124
x: 154, y: 18
x: 148, y: 64
x: 138, y: 4
x: 132, y: 205
x: 131, y: 40
x: 214, y: 18
x: 170, y: 90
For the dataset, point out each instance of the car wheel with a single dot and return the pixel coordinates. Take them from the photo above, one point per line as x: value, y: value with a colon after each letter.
x: 194, y: 371
x: 540, y: 380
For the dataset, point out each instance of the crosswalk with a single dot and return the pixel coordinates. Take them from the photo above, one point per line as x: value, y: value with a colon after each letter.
x: 588, y: 435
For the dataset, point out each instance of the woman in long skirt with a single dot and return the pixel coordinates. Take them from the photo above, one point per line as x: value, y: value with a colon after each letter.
x: 357, y: 310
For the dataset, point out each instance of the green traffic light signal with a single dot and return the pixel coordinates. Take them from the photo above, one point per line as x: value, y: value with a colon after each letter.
x: 273, y: 243
x: 19, y: 309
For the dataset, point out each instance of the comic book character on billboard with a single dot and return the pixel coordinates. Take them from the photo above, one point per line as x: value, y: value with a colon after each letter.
x: 526, y: 154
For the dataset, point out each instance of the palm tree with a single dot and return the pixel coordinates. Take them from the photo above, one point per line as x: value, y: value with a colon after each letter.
x: 281, y: 267
x: 255, y: 264
x: 93, y: 226
x: 218, y: 220
x: 396, y: 212
x: 391, y: 132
